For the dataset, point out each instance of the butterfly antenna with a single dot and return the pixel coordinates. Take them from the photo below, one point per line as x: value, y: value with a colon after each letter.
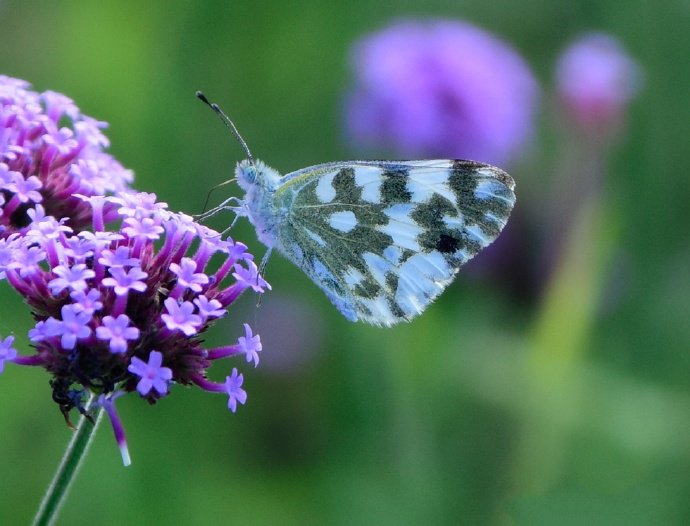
x: 231, y: 125
x: 208, y: 195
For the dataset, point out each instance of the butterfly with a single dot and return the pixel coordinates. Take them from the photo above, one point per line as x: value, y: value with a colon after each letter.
x: 382, y: 239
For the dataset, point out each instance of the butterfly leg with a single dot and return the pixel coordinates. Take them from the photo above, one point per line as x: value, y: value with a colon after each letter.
x: 262, y: 269
x: 237, y: 216
x: 225, y: 205
x: 264, y: 261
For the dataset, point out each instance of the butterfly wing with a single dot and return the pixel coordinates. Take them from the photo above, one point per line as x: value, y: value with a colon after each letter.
x: 384, y: 238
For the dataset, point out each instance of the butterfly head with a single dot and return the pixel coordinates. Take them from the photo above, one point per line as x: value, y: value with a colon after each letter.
x: 251, y: 175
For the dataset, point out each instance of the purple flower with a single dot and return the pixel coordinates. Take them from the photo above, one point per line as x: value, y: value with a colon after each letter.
x: 7, y: 352
x: 596, y: 79
x: 88, y: 302
x: 73, y: 326
x: 25, y: 189
x: 133, y: 298
x: 117, y: 331
x: 123, y: 280
x: 187, y: 277
x: 153, y: 375
x: 108, y: 404
x: 250, y: 345
x: 208, y: 308
x: 146, y: 228
x: 49, y: 152
x: 120, y: 257
x: 233, y: 388
x: 73, y: 277
x: 180, y: 317
x: 250, y: 277
x: 441, y: 89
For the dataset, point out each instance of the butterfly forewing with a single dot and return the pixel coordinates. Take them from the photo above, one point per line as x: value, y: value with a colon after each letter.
x: 384, y: 238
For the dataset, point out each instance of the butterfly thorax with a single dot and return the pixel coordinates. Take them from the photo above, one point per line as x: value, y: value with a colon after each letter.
x: 259, y: 183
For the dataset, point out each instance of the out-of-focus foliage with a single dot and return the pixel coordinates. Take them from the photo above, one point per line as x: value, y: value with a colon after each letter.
x: 549, y: 385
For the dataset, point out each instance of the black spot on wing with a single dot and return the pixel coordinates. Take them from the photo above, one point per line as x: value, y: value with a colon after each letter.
x: 392, y: 281
x: 436, y: 235
x: 394, y: 187
x: 395, y: 308
x: 346, y: 191
x: 447, y: 244
x: 367, y: 289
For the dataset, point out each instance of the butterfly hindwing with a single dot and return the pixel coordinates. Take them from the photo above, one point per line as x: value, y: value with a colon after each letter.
x: 384, y: 238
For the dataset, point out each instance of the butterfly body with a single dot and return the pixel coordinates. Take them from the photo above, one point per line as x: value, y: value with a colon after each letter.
x: 381, y: 238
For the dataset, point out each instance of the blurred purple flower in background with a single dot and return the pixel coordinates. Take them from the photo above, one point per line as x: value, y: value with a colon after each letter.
x: 441, y: 89
x: 50, y: 151
x: 596, y: 79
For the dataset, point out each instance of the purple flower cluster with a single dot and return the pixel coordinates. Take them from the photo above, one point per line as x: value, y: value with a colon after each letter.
x: 49, y: 152
x: 121, y: 289
x: 596, y: 79
x: 441, y: 89
x: 123, y: 310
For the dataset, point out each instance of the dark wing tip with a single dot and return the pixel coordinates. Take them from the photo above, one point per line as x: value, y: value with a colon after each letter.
x: 501, y: 175
x: 504, y: 178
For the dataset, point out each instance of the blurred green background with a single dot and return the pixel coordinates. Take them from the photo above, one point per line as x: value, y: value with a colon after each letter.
x: 569, y: 405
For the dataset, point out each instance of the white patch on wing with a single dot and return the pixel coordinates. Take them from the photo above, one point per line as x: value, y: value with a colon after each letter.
x: 343, y: 221
x: 322, y: 272
x: 401, y: 227
x: 433, y: 163
x: 474, y: 231
x: 491, y: 218
x: 377, y: 267
x: 454, y: 222
x: 462, y: 255
x: 324, y: 188
x: 297, y: 251
x: 369, y: 178
x: 421, y: 278
x: 316, y: 237
x: 345, y: 307
x: 353, y: 277
x: 492, y: 189
x: 392, y: 254
x: 380, y: 310
x: 422, y: 184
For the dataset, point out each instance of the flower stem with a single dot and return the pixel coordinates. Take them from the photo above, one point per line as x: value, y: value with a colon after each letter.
x: 67, y: 470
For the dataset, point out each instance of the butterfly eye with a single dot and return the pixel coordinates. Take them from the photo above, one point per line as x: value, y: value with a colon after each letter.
x: 248, y: 173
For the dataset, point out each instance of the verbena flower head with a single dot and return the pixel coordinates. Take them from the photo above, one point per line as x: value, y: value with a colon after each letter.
x: 596, y: 79
x: 124, y: 310
x: 441, y: 89
x: 50, y: 151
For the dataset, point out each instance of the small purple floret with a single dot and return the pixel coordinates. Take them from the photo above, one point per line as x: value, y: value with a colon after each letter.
x: 233, y: 388
x: 153, y: 374
x: 250, y: 345
x: 181, y: 317
x: 117, y: 331
x: 73, y: 278
x: 74, y: 326
x: 209, y: 308
x: 187, y: 276
x: 7, y: 351
x: 123, y: 280
x: 250, y: 277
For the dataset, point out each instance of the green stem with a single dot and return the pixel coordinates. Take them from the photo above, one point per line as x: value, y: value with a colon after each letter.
x: 67, y: 470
